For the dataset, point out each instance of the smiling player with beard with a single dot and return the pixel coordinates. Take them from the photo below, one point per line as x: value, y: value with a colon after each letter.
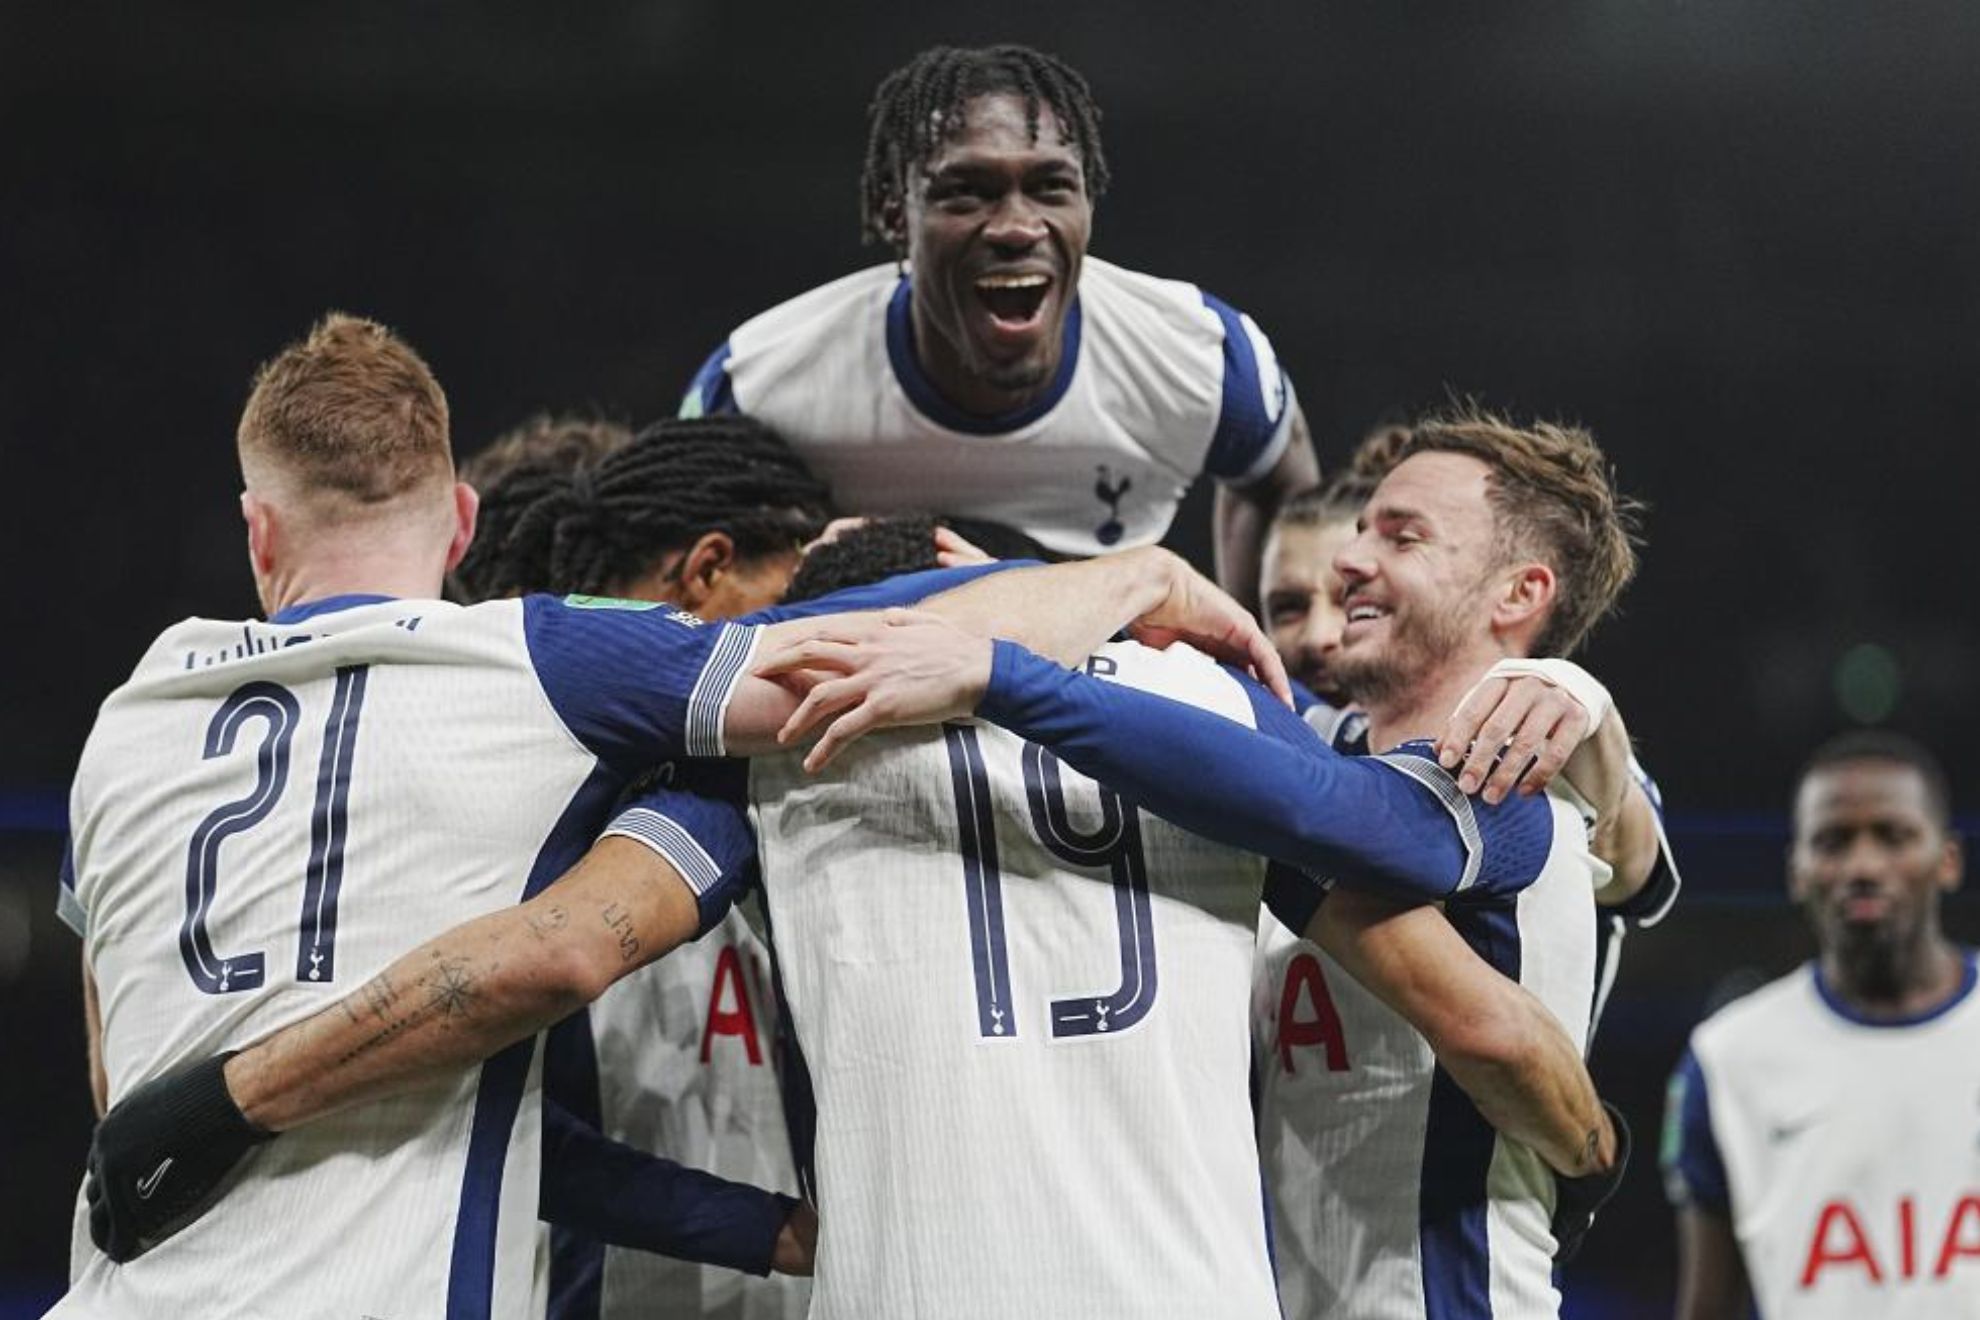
x: 993, y: 369
x: 1820, y: 1141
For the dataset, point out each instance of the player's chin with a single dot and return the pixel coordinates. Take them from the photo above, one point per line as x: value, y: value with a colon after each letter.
x: 1012, y: 375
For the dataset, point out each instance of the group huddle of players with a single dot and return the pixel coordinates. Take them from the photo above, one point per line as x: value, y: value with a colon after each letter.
x: 920, y: 916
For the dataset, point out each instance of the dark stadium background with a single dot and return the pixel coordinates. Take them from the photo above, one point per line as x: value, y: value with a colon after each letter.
x: 1740, y: 240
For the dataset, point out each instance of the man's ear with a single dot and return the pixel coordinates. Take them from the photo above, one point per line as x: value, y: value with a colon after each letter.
x: 702, y: 568
x: 1525, y: 602
x: 262, y: 532
x: 467, y: 506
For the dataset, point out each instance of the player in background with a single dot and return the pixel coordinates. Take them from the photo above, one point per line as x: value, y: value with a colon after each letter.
x: 676, y: 1058
x: 993, y: 368
x: 1484, y: 542
x: 1819, y: 1145
x: 1299, y: 591
x: 265, y: 807
x: 554, y: 442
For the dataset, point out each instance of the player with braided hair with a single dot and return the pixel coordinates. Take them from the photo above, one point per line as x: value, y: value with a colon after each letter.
x: 993, y: 368
x: 708, y: 514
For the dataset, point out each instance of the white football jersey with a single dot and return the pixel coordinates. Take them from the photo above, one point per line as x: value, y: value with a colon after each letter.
x: 1159, y: 383
x: 1023, y: 1008
x: 1391, y: 1196
x: 265, y: 816
x: 1845, y: 1151
x: 685, y: 1060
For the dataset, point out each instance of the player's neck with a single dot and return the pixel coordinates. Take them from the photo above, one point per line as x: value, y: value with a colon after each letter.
x: 351, y: 570
x: 961, y: 387
x: 1421, y: 710
x: 1896, y: 984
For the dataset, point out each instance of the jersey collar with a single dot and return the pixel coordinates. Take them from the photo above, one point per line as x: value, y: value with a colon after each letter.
x: 309, y: 609
x: 928, y: 400
x: 1841, y: 1008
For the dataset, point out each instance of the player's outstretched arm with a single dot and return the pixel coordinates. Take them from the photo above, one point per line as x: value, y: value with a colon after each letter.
x: 1065, y: 612
x: 616, y: 1194
x: 465, y: 994
x: 161, y: 1151
x: 1498, y: 1042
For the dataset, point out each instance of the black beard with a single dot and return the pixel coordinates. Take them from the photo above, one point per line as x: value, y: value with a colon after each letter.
x: 1872, y: 965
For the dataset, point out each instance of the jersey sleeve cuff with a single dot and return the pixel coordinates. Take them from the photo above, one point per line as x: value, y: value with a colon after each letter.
x: 708, y: 704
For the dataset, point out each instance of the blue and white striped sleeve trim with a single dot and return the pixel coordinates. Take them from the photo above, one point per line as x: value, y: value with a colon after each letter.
x: 710, y: 391
x: 672, y: 842
x: 1438, y: 780
x: 708, y: 704
x: 67, y: 906
x: 1254, y: 419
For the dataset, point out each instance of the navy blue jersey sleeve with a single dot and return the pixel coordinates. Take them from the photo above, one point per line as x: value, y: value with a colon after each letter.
x: 67, y: 906
x: 1255, y: 417
x: 1694, y: 1174
x: 710, y: 391
x: 1277, y: 790
x: 609, y: 1191
x: 698, y: 822
x: 903, y: 589
x: 636, y: 683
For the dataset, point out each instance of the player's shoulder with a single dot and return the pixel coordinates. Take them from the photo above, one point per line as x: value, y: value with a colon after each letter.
x: 1180, y: 673
x: 1116, y: 299
x: 826, y: 312
x: 1762, y: 1018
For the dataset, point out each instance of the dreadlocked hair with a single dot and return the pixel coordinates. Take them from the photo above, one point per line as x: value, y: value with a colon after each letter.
x: 919, y: 106
x: 594, y: 529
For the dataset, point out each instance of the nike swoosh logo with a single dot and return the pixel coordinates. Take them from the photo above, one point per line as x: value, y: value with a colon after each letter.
x: 146, y: 1186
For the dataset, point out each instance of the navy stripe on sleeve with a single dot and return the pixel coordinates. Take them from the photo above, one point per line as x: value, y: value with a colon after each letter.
x: 1253, y: 409
x: 711, y: 390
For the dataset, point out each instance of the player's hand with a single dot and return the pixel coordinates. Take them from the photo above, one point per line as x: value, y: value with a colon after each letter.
x: 797, y: 1242
x: 1197, y: 611
x: 160, y: 1154
x: 1577, y: 1200
x: 863, y: 672
x: 955, y: 551
x: 1528, y: 717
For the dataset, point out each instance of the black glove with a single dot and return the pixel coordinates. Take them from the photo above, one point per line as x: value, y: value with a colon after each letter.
x: 160, y: 1152
x: 1576, y: 1200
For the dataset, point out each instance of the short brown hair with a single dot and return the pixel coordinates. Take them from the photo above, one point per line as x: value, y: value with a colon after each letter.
x: 1554, y: 498
x: 350, y: 411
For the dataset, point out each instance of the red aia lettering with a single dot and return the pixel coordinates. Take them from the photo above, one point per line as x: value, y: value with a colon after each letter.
x: 1854, y: 1250
x: 1323, y: 1028
x: 737, y: 1020
x: 1969, y: 1206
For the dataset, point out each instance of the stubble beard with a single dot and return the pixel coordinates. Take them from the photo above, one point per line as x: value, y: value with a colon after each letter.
x: 1419, y: 640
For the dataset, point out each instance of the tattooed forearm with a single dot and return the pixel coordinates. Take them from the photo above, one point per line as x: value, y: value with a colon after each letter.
x: 381, y: 997
x: 620, y: 923
x: 546, y: 923
x: 1590, y: 1149
x: 450, y: 988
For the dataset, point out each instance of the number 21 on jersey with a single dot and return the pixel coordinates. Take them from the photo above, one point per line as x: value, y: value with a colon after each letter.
x: 279, y: 713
